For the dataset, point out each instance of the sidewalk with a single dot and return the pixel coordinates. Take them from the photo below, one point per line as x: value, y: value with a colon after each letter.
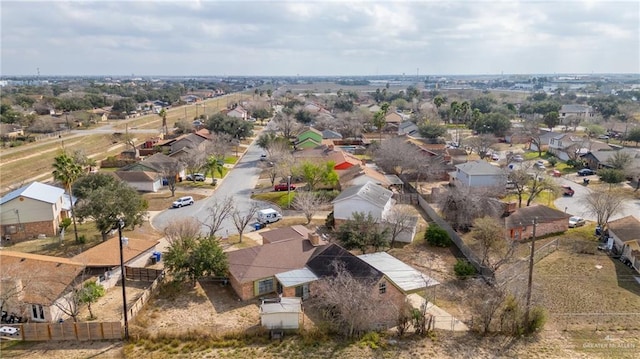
x: 443, y: 320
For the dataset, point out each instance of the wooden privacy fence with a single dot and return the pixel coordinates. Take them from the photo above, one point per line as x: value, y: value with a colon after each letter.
x: 142, y: 274
x: 68, y: 331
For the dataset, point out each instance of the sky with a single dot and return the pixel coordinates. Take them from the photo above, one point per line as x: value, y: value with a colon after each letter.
x: 318, y: 38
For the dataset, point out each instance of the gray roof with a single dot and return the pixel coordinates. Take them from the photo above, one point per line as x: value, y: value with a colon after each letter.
x: 285, y: 305
x: 575, y: 108
x: 542, y: 214
x: 479, y: 167
x: 329, y: 134
x: 296, y: 277
x: 401, y: 274
x: 36, y: 190
x: 370, y: 192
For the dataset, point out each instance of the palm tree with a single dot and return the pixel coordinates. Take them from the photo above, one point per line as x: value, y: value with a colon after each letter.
x: 438, y: 101
x: 379, y: 118
x: 67, y: 171
x: 163, y: 114
x: 212, y: 166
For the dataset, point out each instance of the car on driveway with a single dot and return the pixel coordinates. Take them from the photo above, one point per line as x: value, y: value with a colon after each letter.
x: 586, y: 172
x: 567, y: 191
x: 518, y: 158
x: 283, y: 187
x: 199, y: 177
x: 576, y: 222
x: 495, y: 157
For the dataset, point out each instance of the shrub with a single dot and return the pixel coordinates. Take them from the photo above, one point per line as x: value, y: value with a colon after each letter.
x: 537, y: 319
x: 82, y: 239
x: 371, y: 340
x: 436, y: 236
x: 464, y: 269
x: 553, y: 161
x: 330, y: 222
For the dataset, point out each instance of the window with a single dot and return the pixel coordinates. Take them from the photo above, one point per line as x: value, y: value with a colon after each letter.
x: 382, y: 288
x: 265, y: 286
x: 37, y: 312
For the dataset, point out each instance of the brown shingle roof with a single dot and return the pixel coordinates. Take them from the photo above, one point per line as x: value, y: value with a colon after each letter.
x: 526, y: 215
x: 43, y: 278
x: 285, y: 233
x: 107, y: 254
x: 250, y: 264
x: 137, y: 176
x: 626, y: 228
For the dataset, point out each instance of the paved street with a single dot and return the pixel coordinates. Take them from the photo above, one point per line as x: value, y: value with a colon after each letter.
x: 576, y: 205
x: 238, y: 184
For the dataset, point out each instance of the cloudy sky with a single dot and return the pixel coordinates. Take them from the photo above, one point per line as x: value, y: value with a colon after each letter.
x: 308, y: 38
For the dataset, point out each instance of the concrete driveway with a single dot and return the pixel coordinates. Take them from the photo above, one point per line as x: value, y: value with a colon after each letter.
x: 576, y: 205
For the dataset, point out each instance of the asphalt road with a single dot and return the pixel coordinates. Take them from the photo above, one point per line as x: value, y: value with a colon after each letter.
x: 238, y: 184
x: 576, y: 205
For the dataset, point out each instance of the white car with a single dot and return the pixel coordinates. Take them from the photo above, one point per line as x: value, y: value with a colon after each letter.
x: 576, y: 221
x: 495, y: 157
x: 183, y: 201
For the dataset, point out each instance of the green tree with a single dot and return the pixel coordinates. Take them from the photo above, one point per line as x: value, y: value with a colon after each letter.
x: 611, y: 175
x: 594, y: 130
x: 193, y: 258
x: 437, y: 236
x: 634, y: 135
x: 90, y: 293
x: 163, y: 114
x: 109, y: 202
x: 212, y: 166
x: 551, y: 119
x: 362, y: 231
x: 379, y: 118
x: 67, y: 171
x: 620, y: 160
x: 432, y: 130
x: 314, y: 174
x: 439, y: 101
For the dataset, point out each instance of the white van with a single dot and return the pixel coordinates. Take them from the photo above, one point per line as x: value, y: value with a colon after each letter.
x: 268, y: 215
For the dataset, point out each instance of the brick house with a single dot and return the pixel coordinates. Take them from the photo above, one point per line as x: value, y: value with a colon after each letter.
x: 33, y: 210
x: 41, y: 285
x: 626, y: 238
x: 519, y: 224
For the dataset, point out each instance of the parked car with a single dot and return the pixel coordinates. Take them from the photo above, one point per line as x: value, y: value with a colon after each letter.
x: 495, y: 157
x: 586, y: 172
x: 518, y: 158
x: 263, y: 157
x: 576, y: 222
x: 283, y: 187
x: 199, y: 177
x: 183, y: 201
x: 567, y: 191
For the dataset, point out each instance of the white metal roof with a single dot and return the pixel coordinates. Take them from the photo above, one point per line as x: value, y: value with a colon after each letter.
x: 36, y: 190
x: 401, y: 274
x: 286, y: 305
x: 296, y: 277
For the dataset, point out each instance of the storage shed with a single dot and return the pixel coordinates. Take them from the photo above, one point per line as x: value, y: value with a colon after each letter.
x: 284, y: 314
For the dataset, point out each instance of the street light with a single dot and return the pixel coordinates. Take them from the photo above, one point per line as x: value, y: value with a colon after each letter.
x: 124, y: 292
x: 288, y: 191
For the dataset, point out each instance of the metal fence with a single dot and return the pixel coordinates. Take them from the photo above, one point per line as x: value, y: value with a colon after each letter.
x: 146, y: 295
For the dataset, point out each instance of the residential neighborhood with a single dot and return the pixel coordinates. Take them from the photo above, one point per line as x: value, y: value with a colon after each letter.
x: 409, y: 223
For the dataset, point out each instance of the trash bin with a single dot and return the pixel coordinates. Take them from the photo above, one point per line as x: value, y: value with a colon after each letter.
x: 158, y: 256
x: 154, y: 259
x: 598, y: 231
x: 257, y: 226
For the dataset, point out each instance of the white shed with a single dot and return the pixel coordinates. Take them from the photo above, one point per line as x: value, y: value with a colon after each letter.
x: 284, y: 314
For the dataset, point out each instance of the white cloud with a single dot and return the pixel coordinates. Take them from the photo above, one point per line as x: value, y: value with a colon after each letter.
x: 319, y: 37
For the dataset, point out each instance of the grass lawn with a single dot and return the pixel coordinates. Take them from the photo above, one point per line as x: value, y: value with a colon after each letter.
x: 279, y: 198
x: 545, y: 198
x: 52, y: 246
x: 230, y: 160
x: 570, y: 282
x: 162, y: 201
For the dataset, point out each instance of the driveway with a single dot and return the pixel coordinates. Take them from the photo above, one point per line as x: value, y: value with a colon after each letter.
x: 576, y: 205
x: 238, y: 184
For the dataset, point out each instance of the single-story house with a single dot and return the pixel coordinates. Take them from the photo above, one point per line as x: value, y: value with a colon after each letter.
x: 361, y: 174
x: 581, y: 111
x: 142, y: 181
x: 308, y: 137
x: 103, y: 260
x: 519, y: 224
x: 626, y: 238
x: 367, y: 198
x: 35, y: 286
x: 9, y: 130
x: 32, y: 210
x: 331, y: 135
x: 238, y: 112
x: 252, y: 271
x: 407, y: 279
x: 407, y: 128
x: 285, y: 313
x: 478, y: 173
x: 599, y: 159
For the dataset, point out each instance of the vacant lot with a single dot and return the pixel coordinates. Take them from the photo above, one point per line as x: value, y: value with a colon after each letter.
x: 595, y: 285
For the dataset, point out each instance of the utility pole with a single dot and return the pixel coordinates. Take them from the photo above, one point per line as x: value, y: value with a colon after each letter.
x: 533, y: 250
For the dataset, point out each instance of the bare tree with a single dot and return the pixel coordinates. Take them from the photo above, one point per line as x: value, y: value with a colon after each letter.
x: 170, y: 171
x: 518, y: 179
x: 399, y: 221
x: 481, y: 144
x: 397, y: 156
x: 218, y: 212
x: 219, y: 145
x: 486, y: 302
x: 241, y: 219
x: 531, y: 130
x: 350, y: 305
x: 287, y: 124
x: 182, y: 228
x: 194, y: 161
x: 539, y: 184
x: 603, y: 204
x: 495, y: 248
x: 461, y: 205
x: 13, y: 285
x: 309, y: 203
